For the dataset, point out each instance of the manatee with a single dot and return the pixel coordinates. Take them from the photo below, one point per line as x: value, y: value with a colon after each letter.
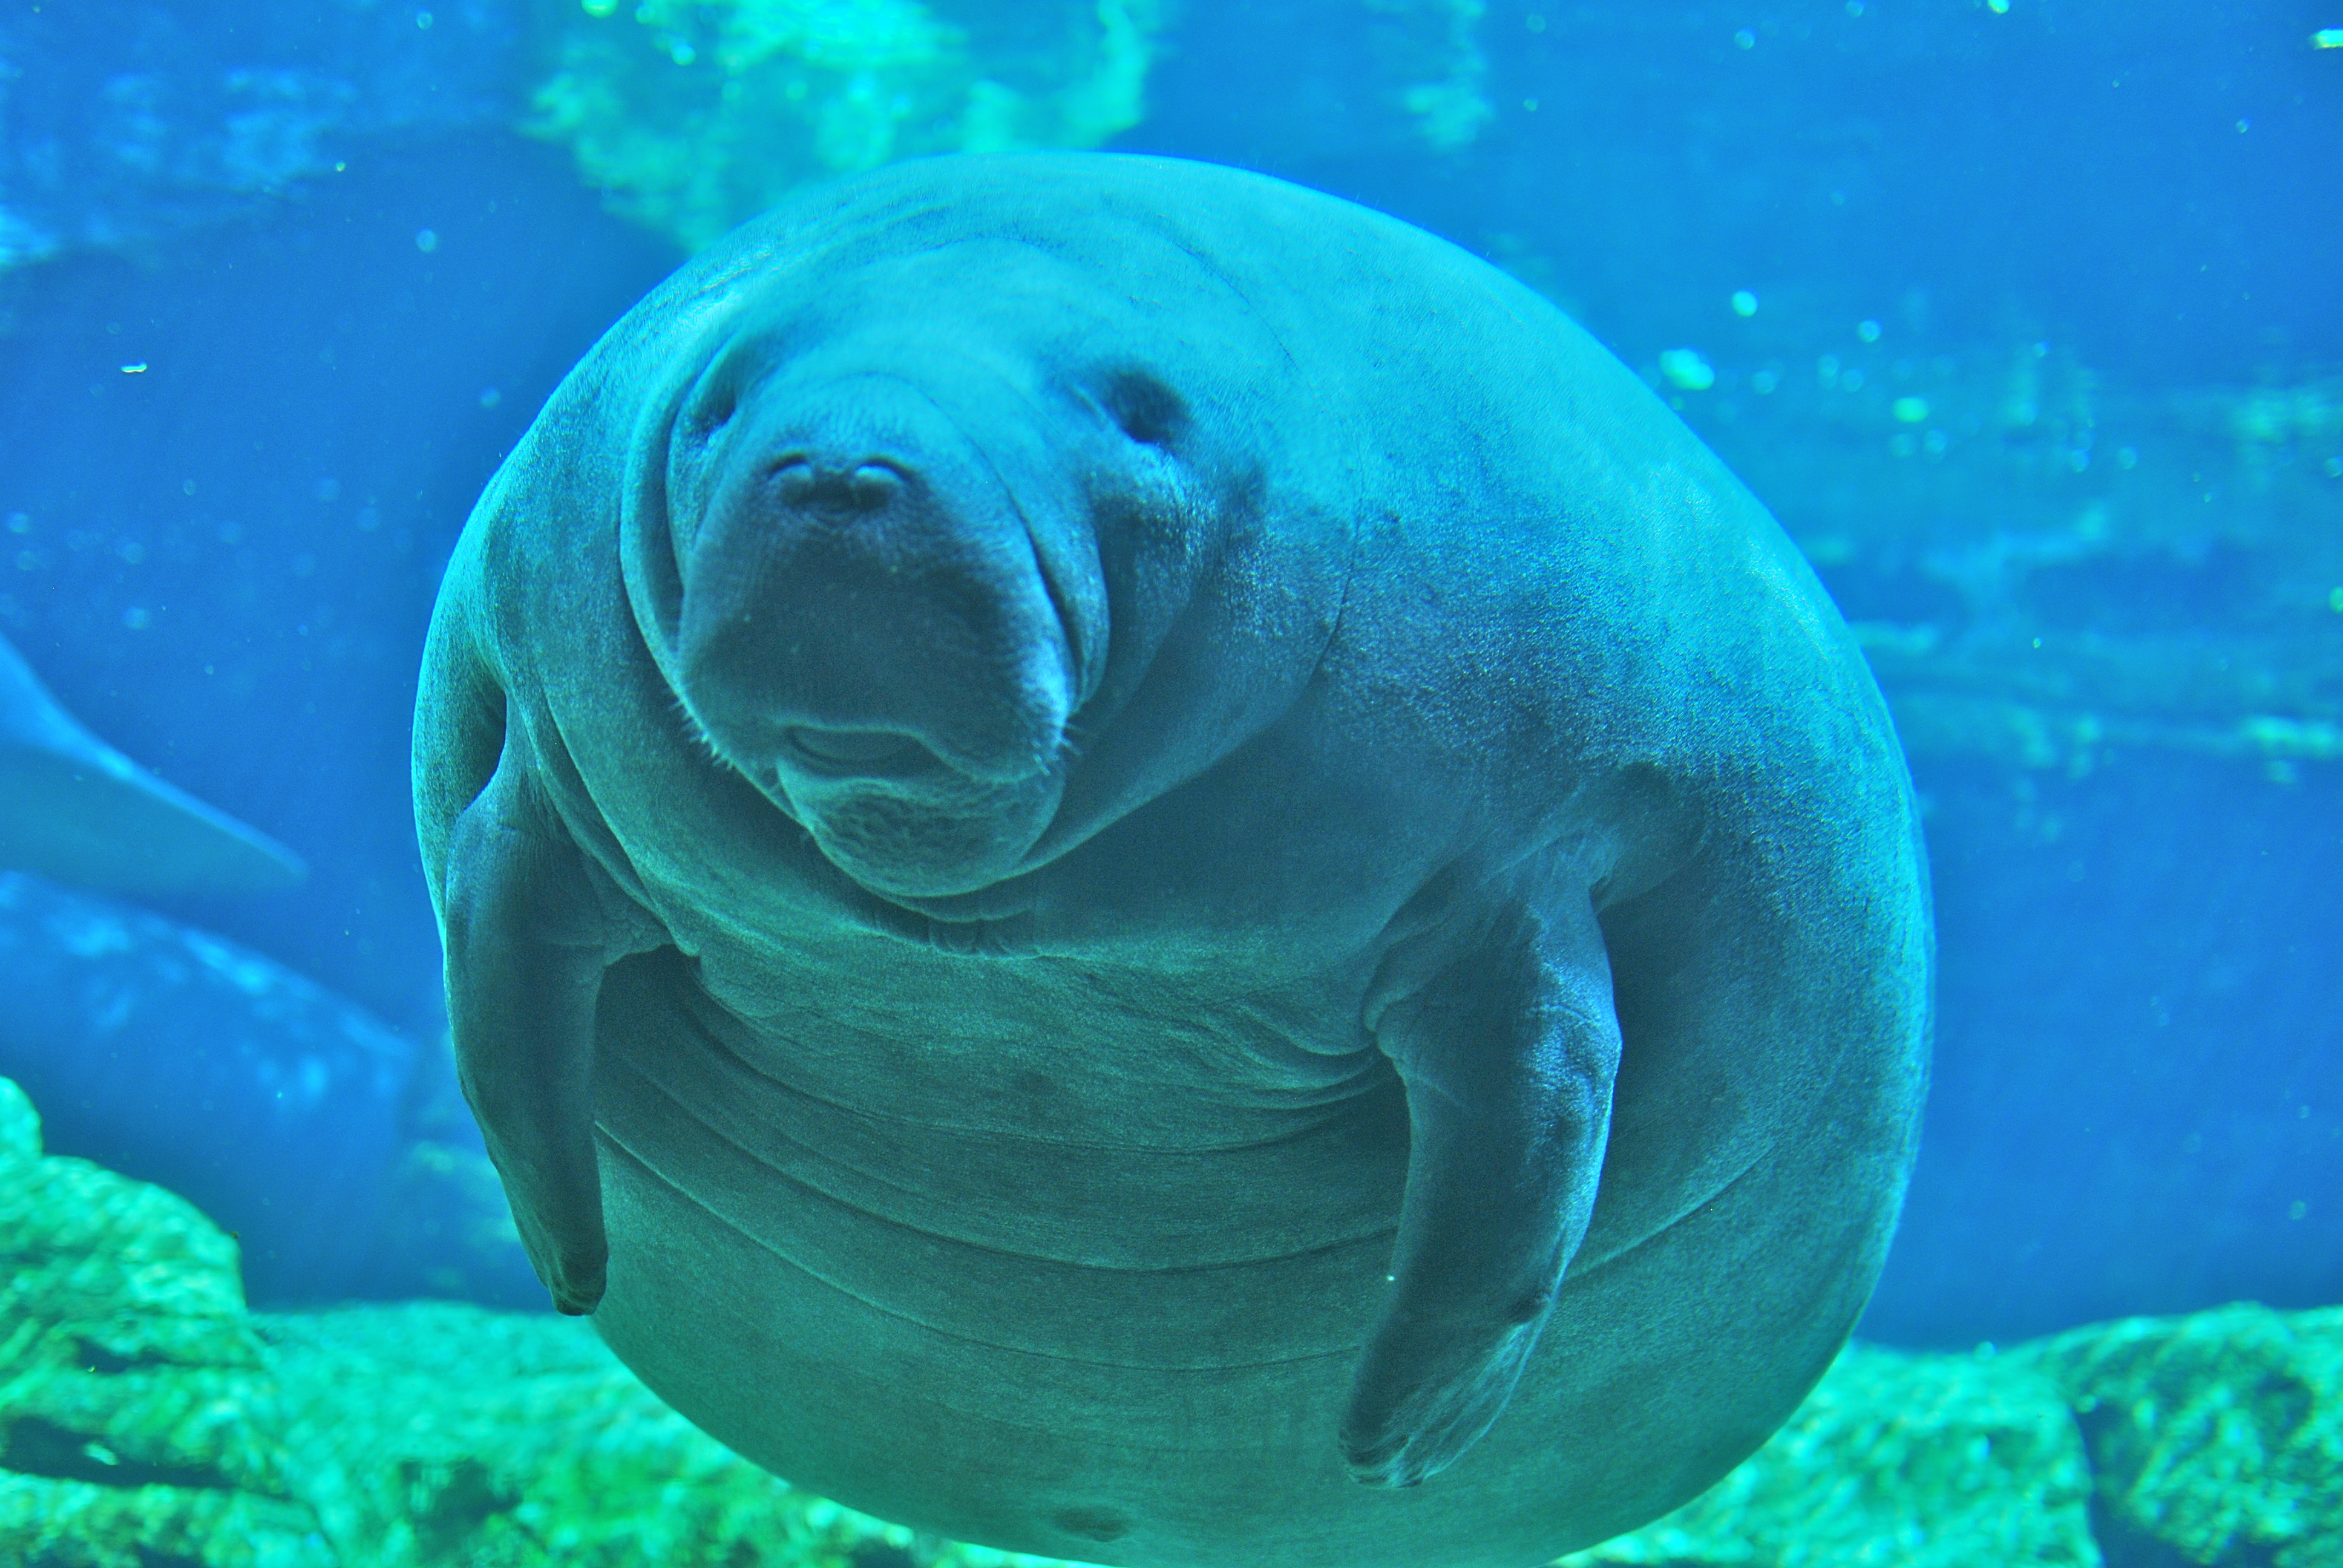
x: 321, y: 1140
x: 1136, y: 865
x: 74, y: 809
x: 335, y: 1147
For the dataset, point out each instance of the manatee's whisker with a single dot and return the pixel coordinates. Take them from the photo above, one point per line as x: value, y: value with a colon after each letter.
x: 698, y: 732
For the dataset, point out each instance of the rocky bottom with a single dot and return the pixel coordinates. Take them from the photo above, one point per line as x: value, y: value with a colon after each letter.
x: 148, y: 1421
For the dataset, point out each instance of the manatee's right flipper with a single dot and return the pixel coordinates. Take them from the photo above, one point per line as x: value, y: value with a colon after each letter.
x: 528, y: 938
x: 1505, y: 1037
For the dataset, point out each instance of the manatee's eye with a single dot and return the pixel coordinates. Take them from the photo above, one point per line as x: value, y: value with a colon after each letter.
x: 874, y: 485
x: 716, y: 399
x: 713, y: 408
x: 1145, y: 409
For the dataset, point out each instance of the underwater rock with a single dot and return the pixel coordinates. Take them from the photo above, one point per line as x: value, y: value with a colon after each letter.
x: 1434, y: 46
x: 1912, y: 1459
x: 2046, y: 571
x: 129, y: 123
x: 2217, y: 1438
x: 138, y: 1420
x: 336, y: 1147
x: 446, y: 1433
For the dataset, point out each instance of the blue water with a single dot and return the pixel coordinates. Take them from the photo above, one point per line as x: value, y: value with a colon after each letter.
x: 348, y: 287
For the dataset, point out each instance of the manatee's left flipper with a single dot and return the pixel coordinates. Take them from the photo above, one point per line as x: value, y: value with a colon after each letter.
x: 529, y: 935
x: 1508, y: 1047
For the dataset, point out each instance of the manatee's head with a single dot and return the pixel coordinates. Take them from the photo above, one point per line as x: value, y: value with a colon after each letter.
x: 881, y: 586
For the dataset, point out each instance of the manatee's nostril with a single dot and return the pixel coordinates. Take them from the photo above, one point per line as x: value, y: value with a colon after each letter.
x: 806, y: 484
x: 796, y: 481
x: 873, y: 485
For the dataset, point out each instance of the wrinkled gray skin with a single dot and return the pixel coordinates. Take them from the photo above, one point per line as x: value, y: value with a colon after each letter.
x: 1138, y: 866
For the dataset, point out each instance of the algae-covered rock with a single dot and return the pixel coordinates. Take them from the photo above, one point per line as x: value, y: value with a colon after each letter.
x: 440, y: 1434
x: 1433, y: 47
x: 693, y: 114
x: 137, y: 1416
x: 2218, y: 1436
x: 20, y: 1125
x: 1898, y: 1459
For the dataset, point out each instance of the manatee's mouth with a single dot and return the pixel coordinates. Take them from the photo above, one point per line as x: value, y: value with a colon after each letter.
x: 858, y: 753
x: 927, y: 832
x: 882, y: 599
x: 862, y: 596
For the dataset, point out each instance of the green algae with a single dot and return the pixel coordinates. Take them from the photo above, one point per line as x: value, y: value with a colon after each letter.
x: 1906, y: 1459
x: 693, y: 114
x: 138, y: 1420
x: 1433, y: 47
x: 440, y: 1434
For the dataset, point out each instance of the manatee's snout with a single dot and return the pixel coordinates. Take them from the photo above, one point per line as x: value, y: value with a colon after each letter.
x: 864, y: 609
x: 840, y: 490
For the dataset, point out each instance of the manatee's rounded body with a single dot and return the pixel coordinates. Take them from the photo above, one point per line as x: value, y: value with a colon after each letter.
x: 1038, y: 1183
